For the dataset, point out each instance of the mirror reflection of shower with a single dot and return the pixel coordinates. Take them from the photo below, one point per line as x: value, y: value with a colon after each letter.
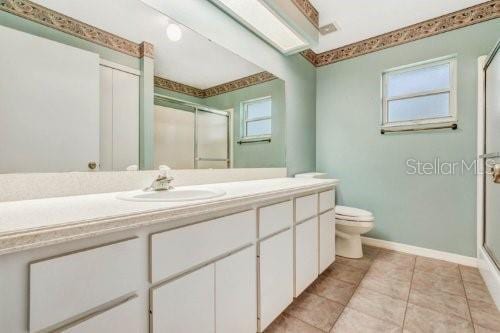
x: 191, y: 136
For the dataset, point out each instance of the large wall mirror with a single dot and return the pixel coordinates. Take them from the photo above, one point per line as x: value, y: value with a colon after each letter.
x: 82, y: 92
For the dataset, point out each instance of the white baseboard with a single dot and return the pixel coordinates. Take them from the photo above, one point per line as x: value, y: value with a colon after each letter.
x: 490, y: 274
x: 420, y: 251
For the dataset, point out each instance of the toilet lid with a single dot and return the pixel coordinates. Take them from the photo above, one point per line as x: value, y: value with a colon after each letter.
x: 352, y: 212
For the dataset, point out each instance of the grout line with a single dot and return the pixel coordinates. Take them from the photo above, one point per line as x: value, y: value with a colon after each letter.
x: 466, y: 299
x: 409, y: 291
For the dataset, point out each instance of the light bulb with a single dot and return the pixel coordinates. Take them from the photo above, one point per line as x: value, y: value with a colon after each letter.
x: 174, y: 32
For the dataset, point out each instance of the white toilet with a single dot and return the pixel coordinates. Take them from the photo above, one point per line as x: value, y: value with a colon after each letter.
x: 350, y: 224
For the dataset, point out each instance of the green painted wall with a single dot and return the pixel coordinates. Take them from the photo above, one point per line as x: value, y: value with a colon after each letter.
x: 436, y: 212
x: 261, y: 154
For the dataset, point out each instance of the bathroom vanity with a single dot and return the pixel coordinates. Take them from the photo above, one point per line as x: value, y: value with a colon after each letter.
x: 96, y: 263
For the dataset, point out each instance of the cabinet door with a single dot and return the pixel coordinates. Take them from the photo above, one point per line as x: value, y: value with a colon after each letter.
x: 306, y: 254
x: 125, y: 120
x: 125, y: 317
x: 275, y: 276
x: 236, y: 293
x: 326, y: 240
x: 186, y: 304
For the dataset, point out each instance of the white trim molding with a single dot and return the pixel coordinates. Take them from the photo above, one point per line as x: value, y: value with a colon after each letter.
x: 421, y: 251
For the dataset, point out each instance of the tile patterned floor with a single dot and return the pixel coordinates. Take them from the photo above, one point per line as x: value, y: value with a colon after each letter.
x: 388, y: 291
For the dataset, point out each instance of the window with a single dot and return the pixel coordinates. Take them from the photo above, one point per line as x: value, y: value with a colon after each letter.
x: 420, y: 95
x: 257, y: 115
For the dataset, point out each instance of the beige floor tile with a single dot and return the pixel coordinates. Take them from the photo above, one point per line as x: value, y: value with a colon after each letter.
x: 362, y: 263
x: 352, y: 321
x: 333, y: 289
x: 378, y: 305
x: 439, y: 267
x: 345, y: 273
x: 471, y: 274
x: 388, y: 286
x: 428, y: 281
x: 315, y: 310
x: 390, y: 271
x: 288, y: 324
x: 396, y: 258
x: 441, y: 302
x: 481, y: 329
x: 485, y: 314
x: 419, y: 319
x: 370, y: 251
x: 477, y: 292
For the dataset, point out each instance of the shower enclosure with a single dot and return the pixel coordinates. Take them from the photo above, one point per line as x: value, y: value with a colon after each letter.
x: 191, y: 136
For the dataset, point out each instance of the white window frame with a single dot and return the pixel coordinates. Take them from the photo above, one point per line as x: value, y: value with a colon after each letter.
x: 245, y: 120
x: 428, y: 122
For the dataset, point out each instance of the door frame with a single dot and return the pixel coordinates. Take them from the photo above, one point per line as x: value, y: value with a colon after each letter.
x: 487, y: 267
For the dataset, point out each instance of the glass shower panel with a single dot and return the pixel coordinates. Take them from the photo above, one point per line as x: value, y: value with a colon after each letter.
x: 492, y: 187
x: 212, y: 138
x: 174, y: 137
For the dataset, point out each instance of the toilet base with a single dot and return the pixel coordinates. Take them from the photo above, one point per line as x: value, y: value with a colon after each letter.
x: 349, y: 248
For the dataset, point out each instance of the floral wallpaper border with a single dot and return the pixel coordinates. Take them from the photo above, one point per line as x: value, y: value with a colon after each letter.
x: 476, y: 14
x: 216, y: 90
x: 52, y: 19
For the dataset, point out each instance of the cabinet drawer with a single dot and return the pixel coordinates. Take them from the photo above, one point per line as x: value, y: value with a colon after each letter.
x: 125, y: 317
x: 306, y: 207
x: 275, y: 218
x: 326, y: 200
x: 66, y: 286
x: 177, y: 250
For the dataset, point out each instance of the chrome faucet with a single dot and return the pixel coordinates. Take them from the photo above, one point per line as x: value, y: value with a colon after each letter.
x: 162, y: 181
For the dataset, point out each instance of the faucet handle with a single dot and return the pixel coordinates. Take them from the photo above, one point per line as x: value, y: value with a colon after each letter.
x: 164, y: 170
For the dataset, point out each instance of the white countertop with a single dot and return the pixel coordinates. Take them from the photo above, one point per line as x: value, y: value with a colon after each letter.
x: 34, y: 223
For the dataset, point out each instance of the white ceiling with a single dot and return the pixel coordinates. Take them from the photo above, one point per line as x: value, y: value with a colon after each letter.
x: 194, y: 60
x: 362, y: 19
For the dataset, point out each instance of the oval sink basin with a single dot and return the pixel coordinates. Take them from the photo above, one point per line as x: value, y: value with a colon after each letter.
x: 174, y: 195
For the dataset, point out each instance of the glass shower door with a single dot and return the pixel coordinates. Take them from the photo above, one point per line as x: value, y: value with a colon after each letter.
x: 212, y: 138
x: 492, y: 157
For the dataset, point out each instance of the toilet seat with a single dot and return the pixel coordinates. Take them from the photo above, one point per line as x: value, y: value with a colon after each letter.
x: 353, y: 214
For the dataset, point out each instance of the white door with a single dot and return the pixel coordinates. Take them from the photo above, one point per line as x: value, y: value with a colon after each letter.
x: 492, y: 149
x: 236, y: 293
x: 125, y: 120
x: 119, y: 115
x: 275, y: 276
x: 185, y: 305
x: 212, y: 140
x: 49, y: 105
x: 326, y: 240
x: 306, y: 254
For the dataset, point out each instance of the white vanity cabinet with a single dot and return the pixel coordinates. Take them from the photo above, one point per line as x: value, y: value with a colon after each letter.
x: 275, y: 261
x: 218, y: 297
x: 234, y: 273
x: 314, y: 237
x: 65, y: 288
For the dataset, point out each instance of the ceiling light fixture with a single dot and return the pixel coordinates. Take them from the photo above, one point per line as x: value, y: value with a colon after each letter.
x: 267, y: 19
x: 174, y: 32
